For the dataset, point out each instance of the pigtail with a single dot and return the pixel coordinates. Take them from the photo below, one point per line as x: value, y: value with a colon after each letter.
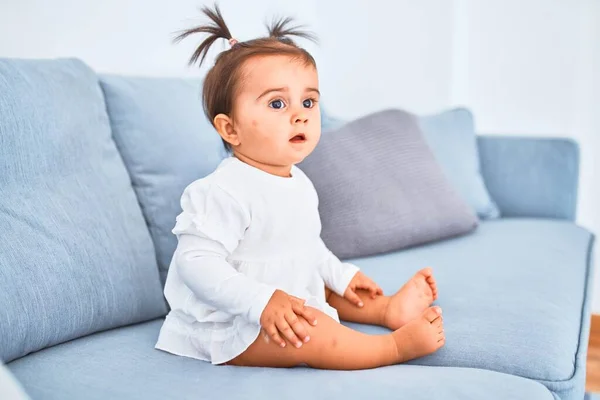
x: 280, y: 30
x: 216, y: 30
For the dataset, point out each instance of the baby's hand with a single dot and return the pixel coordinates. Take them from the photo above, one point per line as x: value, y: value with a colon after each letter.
x: 280, y: 318
x: 361, y: 281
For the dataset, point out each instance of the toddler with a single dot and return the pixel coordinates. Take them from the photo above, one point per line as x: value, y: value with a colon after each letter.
x: 251, y: 282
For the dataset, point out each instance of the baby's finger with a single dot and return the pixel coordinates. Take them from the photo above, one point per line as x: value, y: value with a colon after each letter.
x: 307, y: 314
x: 286, y: 330
x: 352, y: 297
x: 379, y: 291
x: 298, y: 299
x: 298, y: 327
x: 370, y: 286
x: 274, y: 334
x: 374, y: 290
x: 301, y: 309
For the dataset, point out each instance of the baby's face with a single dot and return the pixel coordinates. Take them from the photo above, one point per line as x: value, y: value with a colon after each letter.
x: 276, y: 115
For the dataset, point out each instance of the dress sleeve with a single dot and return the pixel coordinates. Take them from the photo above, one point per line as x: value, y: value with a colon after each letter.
x: 208, y: 230
x: 336, y: 274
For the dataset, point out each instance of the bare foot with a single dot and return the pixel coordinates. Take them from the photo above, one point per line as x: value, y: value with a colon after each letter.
x: 409, y: 302
x: 420, y: 336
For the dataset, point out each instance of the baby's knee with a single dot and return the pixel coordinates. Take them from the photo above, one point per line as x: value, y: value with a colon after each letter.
x: 322, y: 342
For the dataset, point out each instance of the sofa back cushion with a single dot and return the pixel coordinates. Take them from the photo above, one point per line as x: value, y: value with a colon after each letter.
x: 75, y: 255
x: 452, y: 138
x: 166, y: 143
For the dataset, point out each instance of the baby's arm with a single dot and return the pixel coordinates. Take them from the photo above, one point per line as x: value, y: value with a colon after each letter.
x: 336, y: 274
x: 349, y: 298
x: 208, y: 230
x: 202, y: 265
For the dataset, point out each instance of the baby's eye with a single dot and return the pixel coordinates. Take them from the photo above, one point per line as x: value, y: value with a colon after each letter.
x: 308, y: 103
x: 277, y: 104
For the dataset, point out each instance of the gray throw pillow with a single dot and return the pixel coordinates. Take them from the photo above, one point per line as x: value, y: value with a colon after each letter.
x: 381, y: 189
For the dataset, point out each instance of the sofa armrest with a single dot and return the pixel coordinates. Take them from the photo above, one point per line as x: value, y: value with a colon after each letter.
x: 9, y: 387
x: 531, y: 177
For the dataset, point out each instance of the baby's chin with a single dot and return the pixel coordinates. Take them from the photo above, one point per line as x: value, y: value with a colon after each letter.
x: 287, y: 154
x: 299, y: 153
x: 297, y: 157
x: 288, y: 160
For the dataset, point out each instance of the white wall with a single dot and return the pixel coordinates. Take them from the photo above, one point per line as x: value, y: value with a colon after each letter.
x: 585, y: 123
x: 125, y: 36
x: 382, y: 53
x: 522, y: 66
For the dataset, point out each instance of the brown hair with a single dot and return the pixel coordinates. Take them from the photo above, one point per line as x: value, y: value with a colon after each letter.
x: 223, y: 79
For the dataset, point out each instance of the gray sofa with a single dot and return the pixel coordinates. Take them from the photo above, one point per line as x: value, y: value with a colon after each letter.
x: 91, y: 169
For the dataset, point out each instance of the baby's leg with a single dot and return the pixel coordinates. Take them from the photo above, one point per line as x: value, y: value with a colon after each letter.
x: 334, y: 346
x: 372, y: 312
x: 390, y: 311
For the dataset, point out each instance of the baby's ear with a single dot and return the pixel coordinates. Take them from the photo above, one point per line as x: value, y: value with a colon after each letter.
x: 224, y: 127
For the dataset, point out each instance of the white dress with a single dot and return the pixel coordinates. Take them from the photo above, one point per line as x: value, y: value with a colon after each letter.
x: 244, y: 233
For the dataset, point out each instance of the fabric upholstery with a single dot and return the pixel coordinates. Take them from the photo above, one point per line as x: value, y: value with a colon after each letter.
x: 10, y: 389
x: 122, y: 364
x: 75, y: 254
x: 381, y: 189
x: 166, y: 143
x: 515, y: 297
x: 452, y: 138
x: 531, y: 177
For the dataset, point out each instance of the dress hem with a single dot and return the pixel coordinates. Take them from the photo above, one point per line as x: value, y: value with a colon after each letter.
x: 181, y: 344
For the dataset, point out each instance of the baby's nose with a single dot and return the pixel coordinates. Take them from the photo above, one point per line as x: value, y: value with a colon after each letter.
x: 300, y: 118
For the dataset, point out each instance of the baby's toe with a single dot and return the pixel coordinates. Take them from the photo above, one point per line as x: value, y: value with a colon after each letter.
x: 432, y: 313
x: 433, y: 287
x: 426, y: 272
x: 431, y: 281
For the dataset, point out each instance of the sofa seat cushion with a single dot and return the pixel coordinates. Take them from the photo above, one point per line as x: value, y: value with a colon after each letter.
x: 123, y: 364
x: 514, y: 297
x: 9, y: 387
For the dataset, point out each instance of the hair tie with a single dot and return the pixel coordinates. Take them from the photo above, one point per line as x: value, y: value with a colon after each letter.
x: 233, y: 42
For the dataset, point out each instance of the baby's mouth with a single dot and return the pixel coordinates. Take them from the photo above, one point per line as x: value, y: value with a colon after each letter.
x: 299, y: 138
